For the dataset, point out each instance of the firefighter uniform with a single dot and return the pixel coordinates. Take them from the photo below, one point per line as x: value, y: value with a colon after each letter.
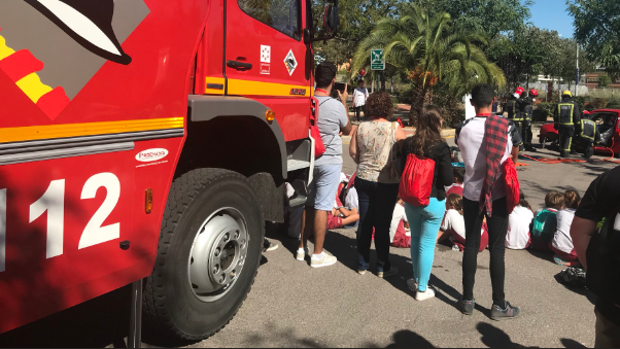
x: 515, y: 115
x: 567, y: 119
x: 527, y: 110
x: 588, y: 136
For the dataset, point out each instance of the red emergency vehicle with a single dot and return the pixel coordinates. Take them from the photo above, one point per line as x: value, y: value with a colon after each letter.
x: 149, y: 139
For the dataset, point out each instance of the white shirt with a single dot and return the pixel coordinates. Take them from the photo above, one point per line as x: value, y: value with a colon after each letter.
x: 519, y: 228
x: 398, y: 215
x: 360, y: 95
x: 453, y: 221
x: 470, y: 141
x: 562, y: 239
x: 352, y: 200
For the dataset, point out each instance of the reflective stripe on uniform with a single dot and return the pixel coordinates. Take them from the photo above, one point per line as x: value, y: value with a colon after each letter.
x: 564, y: 118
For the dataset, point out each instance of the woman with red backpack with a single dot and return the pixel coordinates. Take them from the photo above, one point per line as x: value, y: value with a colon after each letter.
x: 428, y: 170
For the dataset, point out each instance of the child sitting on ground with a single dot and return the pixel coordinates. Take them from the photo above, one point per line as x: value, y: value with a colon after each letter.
x: 562, y: 244
x: 519, y: 222
x: 346, y: 215
x: 453, y: 226
x: 545, y: 223
x: 459, y: 177
x: 399, y: 225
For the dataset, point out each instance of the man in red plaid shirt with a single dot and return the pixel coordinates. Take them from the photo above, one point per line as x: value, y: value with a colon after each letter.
x: 486, y: 142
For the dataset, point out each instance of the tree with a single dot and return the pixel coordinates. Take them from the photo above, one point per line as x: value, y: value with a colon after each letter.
x: 422, y: 44
x: 491, y: 17
x: 597, y: 27
x: 357, y: 20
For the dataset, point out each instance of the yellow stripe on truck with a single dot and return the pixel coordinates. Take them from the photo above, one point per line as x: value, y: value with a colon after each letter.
x: 32, y: 133
x: 259, y: 88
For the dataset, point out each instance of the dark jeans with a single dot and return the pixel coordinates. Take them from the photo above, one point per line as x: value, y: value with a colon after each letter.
x: 498, y: 228
x: 358, y: 112
x: 376, y: 202
x: 527, y: 134
x: 566, y: 139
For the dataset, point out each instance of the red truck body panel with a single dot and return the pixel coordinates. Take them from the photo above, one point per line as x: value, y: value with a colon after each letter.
x: 91, y: 118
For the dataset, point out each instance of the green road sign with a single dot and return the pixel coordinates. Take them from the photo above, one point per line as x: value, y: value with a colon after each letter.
x: 377, y: 59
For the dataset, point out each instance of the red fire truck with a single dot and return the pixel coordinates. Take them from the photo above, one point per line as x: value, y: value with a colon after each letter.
x: 149, y: 139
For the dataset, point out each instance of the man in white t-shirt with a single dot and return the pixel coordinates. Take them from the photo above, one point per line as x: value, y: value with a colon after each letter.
x: 471, y: 138
x: 398, y: 215
x: 360, y: 95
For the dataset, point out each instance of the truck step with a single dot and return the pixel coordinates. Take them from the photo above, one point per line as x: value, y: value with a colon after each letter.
x: 294, y: 165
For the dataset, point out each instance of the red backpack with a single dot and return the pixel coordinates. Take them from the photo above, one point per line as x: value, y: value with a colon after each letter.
x: 417, y: 181
x: 512, y: 185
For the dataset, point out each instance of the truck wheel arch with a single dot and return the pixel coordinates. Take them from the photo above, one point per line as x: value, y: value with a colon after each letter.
x: 232, y: 133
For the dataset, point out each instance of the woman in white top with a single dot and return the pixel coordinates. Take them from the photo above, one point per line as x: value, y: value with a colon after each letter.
x: 562, y: 243
x: 519, y: 236
x: 360, y: 95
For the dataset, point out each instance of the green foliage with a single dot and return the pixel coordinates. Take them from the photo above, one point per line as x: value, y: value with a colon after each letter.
x: 490, y: 17
x: 597, y: 26
x: 543, y: 111
x: 604, y: 80
x: 357, y: 20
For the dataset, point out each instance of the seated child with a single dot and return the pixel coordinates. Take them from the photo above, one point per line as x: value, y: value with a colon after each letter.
x: 562, y: 244
x: 545, y: 222
x: 347, y: 214
x: 399, y: 221
x: 459, y: 177
x: 453, y: 226
x: 519, y: 222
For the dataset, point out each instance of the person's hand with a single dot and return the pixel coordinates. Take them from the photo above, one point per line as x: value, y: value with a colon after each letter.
x: 344, y: 96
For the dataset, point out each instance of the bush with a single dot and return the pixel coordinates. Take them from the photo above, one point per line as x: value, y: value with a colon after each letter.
x: 542, y: 113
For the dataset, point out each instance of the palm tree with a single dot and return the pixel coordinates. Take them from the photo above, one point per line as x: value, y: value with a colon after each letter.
x: 422, y: 44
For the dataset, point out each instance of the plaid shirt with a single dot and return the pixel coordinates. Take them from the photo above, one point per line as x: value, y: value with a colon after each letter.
x: 496, y: 139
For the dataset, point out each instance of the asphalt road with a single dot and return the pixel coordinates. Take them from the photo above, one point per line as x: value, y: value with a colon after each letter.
x: 292, y: 305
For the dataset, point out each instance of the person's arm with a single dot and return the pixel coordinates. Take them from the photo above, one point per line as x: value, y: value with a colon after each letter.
x: 581, y: 231
x: 577, y: 119
x: 346, y: 130
x: 353, y: 148
x: 344, y: 96
x: 515, y: 154
x: 446, y: 174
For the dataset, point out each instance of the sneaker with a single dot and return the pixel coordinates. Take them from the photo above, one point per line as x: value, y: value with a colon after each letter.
x: 467, y: 307
x: 301, y: 255
x: 392, y: 272
x: 424, y: 296
x: 510, y: 312
x: 361, y: 272
x: 327, y: 261
x: 269, y: 246
x: 413, y: 286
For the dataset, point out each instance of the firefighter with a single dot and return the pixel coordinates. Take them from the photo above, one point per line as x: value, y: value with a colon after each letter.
x: 587, y: 137
x: 514, y: 111
x: 527, y: 106
x: 567, y: 118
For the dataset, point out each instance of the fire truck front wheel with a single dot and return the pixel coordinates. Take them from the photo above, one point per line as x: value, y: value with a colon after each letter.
x: 209, y: 253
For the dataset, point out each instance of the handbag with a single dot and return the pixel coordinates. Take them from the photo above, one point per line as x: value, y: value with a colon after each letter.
x: 319, y: 147
x: 417, y: 181
x: 512, y: 185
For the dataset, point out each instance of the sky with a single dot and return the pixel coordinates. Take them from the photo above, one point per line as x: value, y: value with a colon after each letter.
x: 551, y: 14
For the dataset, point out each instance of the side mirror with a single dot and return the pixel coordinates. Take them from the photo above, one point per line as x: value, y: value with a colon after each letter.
x: 331, y: 20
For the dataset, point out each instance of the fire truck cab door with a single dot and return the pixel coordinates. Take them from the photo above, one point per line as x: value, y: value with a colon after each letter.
x: 267, y: 60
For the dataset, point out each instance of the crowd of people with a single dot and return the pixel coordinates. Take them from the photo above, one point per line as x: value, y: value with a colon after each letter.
x: 412, y: 183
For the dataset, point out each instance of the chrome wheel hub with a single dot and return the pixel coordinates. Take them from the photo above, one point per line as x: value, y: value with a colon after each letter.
x: 218, y: 254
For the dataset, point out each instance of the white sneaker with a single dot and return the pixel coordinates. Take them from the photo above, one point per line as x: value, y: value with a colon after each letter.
x: 301, y: 255
x: 424, y: 296
x: 327, y: 261
x: 413, y: 286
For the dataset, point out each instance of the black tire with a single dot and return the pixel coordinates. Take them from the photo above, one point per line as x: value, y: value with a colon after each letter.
x: 170, y: 305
